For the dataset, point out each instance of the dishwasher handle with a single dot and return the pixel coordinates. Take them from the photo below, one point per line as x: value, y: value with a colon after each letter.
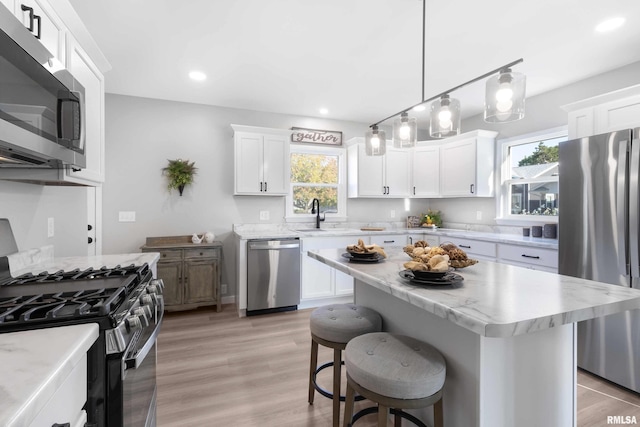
x: 271, y: 245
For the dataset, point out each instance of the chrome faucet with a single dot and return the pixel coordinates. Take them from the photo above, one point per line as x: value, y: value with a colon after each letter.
x: 315, y: 209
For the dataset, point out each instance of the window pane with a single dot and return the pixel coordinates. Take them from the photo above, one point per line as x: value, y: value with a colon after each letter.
x: 314, y: 168
x: 539, y: 198
x: 534, y: 153
x: 303, y: 195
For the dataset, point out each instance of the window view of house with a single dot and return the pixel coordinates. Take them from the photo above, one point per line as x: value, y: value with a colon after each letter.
x: 533, y: 184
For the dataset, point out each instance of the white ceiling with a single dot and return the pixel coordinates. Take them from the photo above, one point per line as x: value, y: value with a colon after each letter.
x: 360, y: 59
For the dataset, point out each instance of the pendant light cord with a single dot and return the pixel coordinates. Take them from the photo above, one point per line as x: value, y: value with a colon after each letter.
x: 424, y: 30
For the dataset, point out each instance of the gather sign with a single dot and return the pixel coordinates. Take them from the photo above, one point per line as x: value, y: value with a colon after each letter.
x: 316, y: 136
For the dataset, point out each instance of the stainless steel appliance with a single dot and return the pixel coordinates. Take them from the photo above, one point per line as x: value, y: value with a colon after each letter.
x: 273, y: 275
x: 599, y: 237
x: 128, y: 307
x: 41, y: 104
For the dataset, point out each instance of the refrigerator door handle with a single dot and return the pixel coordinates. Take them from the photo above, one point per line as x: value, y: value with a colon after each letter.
x: 634, y: 169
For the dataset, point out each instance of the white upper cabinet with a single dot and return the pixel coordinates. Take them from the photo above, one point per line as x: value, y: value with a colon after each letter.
x: 261, y: 161
x: 378, y: 176
x: 467, y: 165
x: 426, y: 171
x: 604, y: 113
x: 39, y: 17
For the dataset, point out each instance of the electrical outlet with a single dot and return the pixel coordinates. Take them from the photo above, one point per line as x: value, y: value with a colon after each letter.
x: 393, y: 213
x: 50, y: 229
x: 264, y: 215
x: 127, y: 216
x: 479, y: 215
x: 224, y: 288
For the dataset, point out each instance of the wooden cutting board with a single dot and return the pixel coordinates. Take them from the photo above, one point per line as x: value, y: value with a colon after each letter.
x: 372, y: 229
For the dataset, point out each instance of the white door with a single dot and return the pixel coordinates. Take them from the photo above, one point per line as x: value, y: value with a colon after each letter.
x: 249, y: 177
x: 426, y: 172
x: 276, y: 164
x: 370, y: 174
x: 398, y: 172
x: 458, y: 168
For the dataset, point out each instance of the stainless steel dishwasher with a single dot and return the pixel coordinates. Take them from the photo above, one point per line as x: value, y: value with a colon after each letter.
x: 273, y: 275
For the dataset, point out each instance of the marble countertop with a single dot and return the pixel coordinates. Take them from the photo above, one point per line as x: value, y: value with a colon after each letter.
x: 283, y: 231
x: 33, y: 365
x: 38, y: 260
x: 494, y: 300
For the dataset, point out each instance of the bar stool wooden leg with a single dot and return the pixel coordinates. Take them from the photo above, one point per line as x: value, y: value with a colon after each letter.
x: 348, y: 405
x: 337, y: 375
x: 312, y: 368
x: 397, y: 419
x: 438, y: 417
x: 382, y: 415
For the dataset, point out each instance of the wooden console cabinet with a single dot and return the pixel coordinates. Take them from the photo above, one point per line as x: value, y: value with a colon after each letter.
x: 191, y: 272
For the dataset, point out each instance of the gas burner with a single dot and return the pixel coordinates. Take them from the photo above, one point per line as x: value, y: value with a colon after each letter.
x: 76, y: 274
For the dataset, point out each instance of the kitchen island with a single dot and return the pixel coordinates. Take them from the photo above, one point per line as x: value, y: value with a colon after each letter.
x: 507, y: 334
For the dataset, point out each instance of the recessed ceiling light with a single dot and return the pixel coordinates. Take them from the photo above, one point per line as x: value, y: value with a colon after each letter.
x: 197, y: 76
x: 324, y: 111
x: 610, y: 25
x: 419, y: 108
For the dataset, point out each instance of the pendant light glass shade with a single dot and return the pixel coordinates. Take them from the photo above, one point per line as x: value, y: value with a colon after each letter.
x: 375, y: 142
x: 405, y: 131
x: 504, y: 97
x: 445, y: 117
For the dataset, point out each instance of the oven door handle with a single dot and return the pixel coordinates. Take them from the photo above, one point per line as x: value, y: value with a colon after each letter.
x: 134, y: 362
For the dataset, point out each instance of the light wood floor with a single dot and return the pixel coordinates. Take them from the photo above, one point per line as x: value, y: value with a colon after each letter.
x: 215, y: 369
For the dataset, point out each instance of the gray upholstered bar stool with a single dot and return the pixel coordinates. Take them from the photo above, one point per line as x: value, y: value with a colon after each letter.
x: 396, y: 372
x: 333, y: 326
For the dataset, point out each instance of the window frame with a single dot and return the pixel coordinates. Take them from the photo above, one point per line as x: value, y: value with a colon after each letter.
x: 503, y: 178
x: 341, y: 153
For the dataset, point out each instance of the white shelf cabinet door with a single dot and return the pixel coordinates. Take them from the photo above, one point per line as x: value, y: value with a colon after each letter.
x: 276, y: 163
x: 48, y: 25
x: 249, y: 175
x: 426, y: 172
x: 397, y: 172
x: 84, y: 70
x: 458, y: 168
x: 370, y: 174
x: 618, y: 115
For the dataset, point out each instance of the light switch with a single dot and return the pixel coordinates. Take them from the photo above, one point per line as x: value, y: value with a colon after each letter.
x: 127, y: 216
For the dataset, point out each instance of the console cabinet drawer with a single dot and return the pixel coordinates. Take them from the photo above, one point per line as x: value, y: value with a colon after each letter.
x: 473, y: 248
x: 201, y: 253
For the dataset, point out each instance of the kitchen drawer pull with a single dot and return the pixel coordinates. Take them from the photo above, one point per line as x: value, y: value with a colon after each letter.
x: 37, y: 18
x: 30, y: 10
x: 465, y: 246
x: 389, y: 241
x: 530, y: 256
x: 61, y: 425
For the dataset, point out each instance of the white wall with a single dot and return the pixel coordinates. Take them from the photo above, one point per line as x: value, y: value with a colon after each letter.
x: 142, y: 134
x: 29, y: 205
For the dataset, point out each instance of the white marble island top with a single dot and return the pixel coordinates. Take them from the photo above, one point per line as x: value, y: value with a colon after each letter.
x: 33, y: 365
x: 494, y: 300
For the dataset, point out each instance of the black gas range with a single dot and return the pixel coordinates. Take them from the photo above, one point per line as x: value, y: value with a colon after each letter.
x: 127, y: 305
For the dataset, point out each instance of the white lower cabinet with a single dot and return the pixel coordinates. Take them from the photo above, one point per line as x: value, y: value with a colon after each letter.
x: 533, y: 258
x: 318, y: 279
x: 388, y: 240
x: 476, y: 249
x: 65, y: 406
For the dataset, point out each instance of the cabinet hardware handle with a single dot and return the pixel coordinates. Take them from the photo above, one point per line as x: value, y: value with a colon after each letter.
x: 89, y: 227
x: 530, y: 256
x: 414, y: 191
x: 464, y: 246
x: 61, y: 425
x: 472, y: 188
x: 37, y: 18
x: 410, y: 240
x: 260, y: 186
x: 30, y: 9
x: 90, y: 240
x: 265, y: 187
x: 389, y: 241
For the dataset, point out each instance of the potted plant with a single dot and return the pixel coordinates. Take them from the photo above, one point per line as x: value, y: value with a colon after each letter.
x: 179, y: 173
x: 431, y: 219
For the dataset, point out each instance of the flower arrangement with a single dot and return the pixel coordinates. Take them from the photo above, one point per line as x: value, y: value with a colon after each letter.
x: 179, y: 173
x: 431, y: 218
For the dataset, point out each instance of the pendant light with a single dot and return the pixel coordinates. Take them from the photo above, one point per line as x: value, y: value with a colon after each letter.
x: 375, y: 142
x: 405, y: 131
x: 445, y: 117
x: 504, y: 97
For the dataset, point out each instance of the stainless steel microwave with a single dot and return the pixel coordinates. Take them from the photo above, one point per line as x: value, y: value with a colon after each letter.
x: 41, y: 104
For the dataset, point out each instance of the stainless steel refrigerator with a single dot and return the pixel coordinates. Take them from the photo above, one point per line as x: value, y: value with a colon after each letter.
x: 598, y: 240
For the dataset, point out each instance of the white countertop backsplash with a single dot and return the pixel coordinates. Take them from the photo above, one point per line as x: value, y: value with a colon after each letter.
x: 33, y: 365
x: 496, y: 234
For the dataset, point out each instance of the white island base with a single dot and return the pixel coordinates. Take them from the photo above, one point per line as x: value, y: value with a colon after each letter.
x: 525, y: 380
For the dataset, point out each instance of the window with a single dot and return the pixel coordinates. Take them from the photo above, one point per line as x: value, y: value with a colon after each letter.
x: 529, y: 178
x: 317, y: 173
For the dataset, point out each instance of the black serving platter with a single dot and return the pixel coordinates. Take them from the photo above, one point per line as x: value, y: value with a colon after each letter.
x: 371, y: 259
x: 448, y: 278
